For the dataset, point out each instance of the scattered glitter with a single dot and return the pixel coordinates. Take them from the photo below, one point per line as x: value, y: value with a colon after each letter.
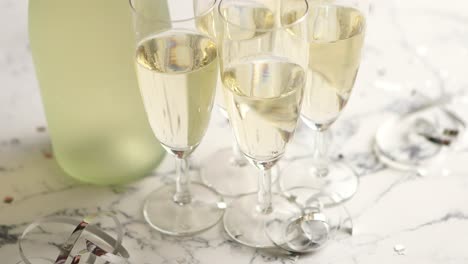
x: 47, y: 154
x: 40, y: 129
x: 381, y: 72
x: 8, y: 199
x: 399, y: 249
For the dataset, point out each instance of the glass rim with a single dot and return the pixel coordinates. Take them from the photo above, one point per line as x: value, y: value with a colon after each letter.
x: 301, y: 19
x: 211, y: 7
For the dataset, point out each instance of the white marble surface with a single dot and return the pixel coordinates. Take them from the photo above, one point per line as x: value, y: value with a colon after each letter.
x: 411, y: 44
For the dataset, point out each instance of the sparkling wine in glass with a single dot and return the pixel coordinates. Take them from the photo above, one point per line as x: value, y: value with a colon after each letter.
x: 263, y: 51
x: 225, y: 170
x: 177, y: 69
x: 336, y: 37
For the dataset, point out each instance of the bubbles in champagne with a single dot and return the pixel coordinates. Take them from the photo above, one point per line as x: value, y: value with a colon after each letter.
x: 177, y: 74
x: 263, y: 98
x: 336, y: 36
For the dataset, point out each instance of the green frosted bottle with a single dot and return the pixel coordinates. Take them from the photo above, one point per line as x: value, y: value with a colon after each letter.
x: 83, y: 52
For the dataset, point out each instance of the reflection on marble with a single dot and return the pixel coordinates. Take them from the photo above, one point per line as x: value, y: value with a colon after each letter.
x: 399, y: 217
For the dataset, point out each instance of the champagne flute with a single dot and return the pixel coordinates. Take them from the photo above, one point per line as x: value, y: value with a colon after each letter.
x: 225, y: 170
x: 336, y: 36
x: 177, y: 71
x: 263, y: 51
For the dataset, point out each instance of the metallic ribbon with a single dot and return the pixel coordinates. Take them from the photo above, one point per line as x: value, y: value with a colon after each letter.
x: 118, y: 256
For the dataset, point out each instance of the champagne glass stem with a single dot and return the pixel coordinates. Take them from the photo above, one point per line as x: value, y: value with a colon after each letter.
x: 264, y: 204
x: 320, y: 155
x: 182, y: 195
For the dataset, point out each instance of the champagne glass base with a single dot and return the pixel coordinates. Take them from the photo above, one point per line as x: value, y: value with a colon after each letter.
x: 316, y: 227
x: 340, y: 184
x: 417, y: 140
x: 246, y: 225
x: 169, y: 217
